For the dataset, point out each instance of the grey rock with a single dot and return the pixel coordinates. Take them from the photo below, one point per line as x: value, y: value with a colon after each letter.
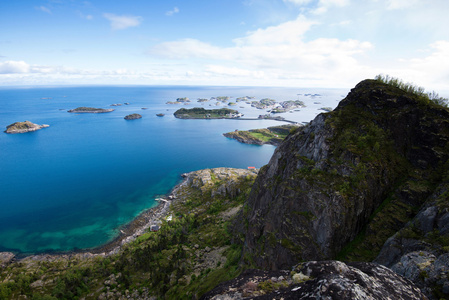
x: 425, y: 219
x: 425, y: 264
x: 6, y: 258
x: 322, y: 280
x: 300, y: 209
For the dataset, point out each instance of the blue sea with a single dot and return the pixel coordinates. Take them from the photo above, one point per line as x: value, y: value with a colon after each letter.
x: 72, y: 185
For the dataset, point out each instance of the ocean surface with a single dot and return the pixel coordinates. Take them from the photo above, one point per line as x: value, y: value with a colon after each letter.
x: 72, y: 185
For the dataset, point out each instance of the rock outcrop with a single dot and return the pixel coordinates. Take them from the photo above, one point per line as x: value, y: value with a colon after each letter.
x: 326, y: 181
x: 22, y: 127
x: 319, y: 280
x: 205, y: 181
x: 6, y: 258
x: 420, y: 251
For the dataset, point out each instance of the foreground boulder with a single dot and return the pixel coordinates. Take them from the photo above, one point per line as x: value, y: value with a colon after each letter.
x: 319, y: 280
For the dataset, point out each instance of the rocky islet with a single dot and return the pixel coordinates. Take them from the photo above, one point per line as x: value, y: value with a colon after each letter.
x: 23, y: 127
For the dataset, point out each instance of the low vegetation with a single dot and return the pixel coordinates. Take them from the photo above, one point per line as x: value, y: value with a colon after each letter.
x: 188, y: 256
x: 413, y: 89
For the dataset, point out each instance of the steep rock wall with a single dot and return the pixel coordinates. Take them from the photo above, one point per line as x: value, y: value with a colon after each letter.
x: 326, y: 180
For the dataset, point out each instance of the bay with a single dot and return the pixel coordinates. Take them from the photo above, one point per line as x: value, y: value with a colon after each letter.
x: 72, y: 185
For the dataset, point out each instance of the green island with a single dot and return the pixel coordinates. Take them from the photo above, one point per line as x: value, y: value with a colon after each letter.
x: 93, y: 110
x: 354, y: 205
x: 201, y: 113
x: 272, y: 135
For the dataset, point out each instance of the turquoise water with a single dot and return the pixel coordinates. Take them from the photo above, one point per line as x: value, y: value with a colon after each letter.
x: 70, y: 186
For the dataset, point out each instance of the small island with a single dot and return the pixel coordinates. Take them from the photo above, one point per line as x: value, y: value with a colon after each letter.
x: 90, y: 110
x: 201, y: 113
x: 272, y: 135
x: 22, y: 127
x: 160, y: 115
x: 133, y: 117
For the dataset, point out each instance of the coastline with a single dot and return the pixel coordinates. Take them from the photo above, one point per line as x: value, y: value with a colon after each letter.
x: 127, y: 233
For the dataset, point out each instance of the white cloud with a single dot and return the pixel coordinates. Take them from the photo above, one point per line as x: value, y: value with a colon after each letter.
x: 273, y: 53
x: 400, y: 4
x: 285, y: 33
x: 12, y: 67
x: 175, y: 10
x: 298, y: 2
x: 122, y: 22
x: 44, y: 9
x: 324, y: 5
x: 437, y: 62
x: 186, y: 48
x: 334, y: 2
x: 233, y: 71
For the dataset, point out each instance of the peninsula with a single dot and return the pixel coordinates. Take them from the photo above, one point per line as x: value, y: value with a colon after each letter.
x: 22, y: 127
x: 90, y: 110
x: 201, y: 113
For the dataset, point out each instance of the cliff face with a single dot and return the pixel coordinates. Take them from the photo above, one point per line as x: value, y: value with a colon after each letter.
x: 326, y: 181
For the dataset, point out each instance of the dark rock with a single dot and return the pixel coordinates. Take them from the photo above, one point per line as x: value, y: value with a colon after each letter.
x: 133, y: 117
x: 319, y: 280
x: 90, y: 110
x: 325, y: 181
x: 419, y: 250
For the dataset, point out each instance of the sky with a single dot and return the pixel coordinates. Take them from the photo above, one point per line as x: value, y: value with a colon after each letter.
x: 292, y: 43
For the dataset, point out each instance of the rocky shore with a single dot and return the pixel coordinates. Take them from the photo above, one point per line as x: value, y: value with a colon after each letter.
x: 128, y: 233
x: 200, y: 179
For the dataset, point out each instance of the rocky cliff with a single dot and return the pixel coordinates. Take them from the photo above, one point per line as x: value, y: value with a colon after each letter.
x: 382, y: 147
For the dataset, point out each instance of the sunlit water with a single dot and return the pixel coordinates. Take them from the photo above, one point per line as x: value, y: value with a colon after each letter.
x: 72, y: 185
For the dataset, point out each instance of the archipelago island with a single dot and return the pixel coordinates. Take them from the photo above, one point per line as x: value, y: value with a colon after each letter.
x: 22, y: 127
x: 90, y: 110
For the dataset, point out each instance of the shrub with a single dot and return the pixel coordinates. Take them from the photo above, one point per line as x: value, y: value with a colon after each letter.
x: 413, y: 89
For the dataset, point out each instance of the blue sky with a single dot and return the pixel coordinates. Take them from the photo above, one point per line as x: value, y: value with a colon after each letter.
x: 304, y: 43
